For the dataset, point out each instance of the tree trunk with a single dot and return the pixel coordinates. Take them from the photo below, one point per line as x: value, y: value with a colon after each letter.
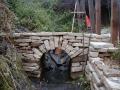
x: 98, y: 16
x: 92, y: 14
x: 115, y: 20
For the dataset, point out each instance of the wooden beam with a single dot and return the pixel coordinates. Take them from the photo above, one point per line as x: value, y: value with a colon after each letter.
x: 92, y: 14
x: 98, y: 16
x: 78, y: 12
x: 115, y: 20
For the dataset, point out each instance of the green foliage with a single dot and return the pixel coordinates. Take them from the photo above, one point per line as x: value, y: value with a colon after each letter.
x: 38, y: 15
x: 12, y: 76
x: 84, y: 82
x: 116, y: 54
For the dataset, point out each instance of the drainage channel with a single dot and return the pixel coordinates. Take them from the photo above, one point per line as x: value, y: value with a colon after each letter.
x: 38, y: 85
x: 56, y: 72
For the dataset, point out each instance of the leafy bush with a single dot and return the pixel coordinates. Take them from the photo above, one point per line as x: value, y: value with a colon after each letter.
x: 38, y: 15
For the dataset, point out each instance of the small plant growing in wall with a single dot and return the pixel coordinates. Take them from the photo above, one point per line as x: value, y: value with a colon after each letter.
x: 84, y: 82
x: 116, y: 54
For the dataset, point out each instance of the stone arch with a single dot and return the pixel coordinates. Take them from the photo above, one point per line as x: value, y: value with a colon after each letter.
x: 47, y: 45
x: 34, y: 45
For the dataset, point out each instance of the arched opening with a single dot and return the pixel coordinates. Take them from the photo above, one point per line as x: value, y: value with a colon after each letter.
x: 55, y: 66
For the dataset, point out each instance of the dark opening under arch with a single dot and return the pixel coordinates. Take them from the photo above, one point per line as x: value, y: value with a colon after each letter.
x: 55, y: 66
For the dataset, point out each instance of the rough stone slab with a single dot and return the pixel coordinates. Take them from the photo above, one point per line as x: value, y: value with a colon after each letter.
x: 27, y: 60
x: 68, y: 48
x: 99, y: 72
x: 95, y: 40
x: 36, y: 51
x: 30, y: 64
x: 75, y: 34
x: 39, y: 41
x: 47, y: 45
x: 59, y: 33
x: 75, y: 64
x: 112, y: 49
x: 106, y: 40
x: 56, y: 41
x: 96, y: 79
x: 102, y: 50
x: 35, y: 38
x: 60, y: 41
x: 64, y: 44
x: 37, y: 56
x: 42, y: 48
x: 93, y: 54
x: 111, y: 83
x: 92, y: 60
x: 76, y: 69
x: 28, y: 56
x: 52, y: 46
x: 85, y: 51
x: 75, y: 41
x: 106, y: 35
x: 90, y: 67
x: 102, y: 88
x: 76, y: 53
x: 36, y: 43
x: 34, y: 34
x: 30, y: 68
x: 93, y: 35
x: 92, y: 49
x: 68, y: 37
x: 86, y: 39
x: 23, y: 44
x: 26, y: 51
x: 79, y: 38
x: 77, y: 44
x: 73, y: 51
x: 99, y: 45
x: 23, y: 40
x: 25, y: 48
x: 45, y: 38
x: 80, y: 58
x: 95, y: 86
x: 111, y: 72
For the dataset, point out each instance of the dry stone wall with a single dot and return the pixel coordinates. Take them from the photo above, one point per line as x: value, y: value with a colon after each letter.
x: 101, y: 76
x: 34, y: 45
x: 80, y: 47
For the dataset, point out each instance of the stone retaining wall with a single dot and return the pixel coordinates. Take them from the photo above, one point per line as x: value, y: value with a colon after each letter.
x: 34, y: 45
x: 80, y: 47
x: 101, y: 76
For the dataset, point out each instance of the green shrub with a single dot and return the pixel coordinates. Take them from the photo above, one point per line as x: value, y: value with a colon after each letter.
x: 38, y: 15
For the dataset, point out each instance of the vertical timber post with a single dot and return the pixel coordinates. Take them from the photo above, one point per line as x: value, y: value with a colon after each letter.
x: 92, y: 14
x: 114, y: 20
x: 98, y: 16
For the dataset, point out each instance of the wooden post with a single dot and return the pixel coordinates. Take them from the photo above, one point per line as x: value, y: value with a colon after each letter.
x: 92, y: 14
x: 98, y: 16
x: 74, y: 17
x: 114, y: 20
x: 77, y: 11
